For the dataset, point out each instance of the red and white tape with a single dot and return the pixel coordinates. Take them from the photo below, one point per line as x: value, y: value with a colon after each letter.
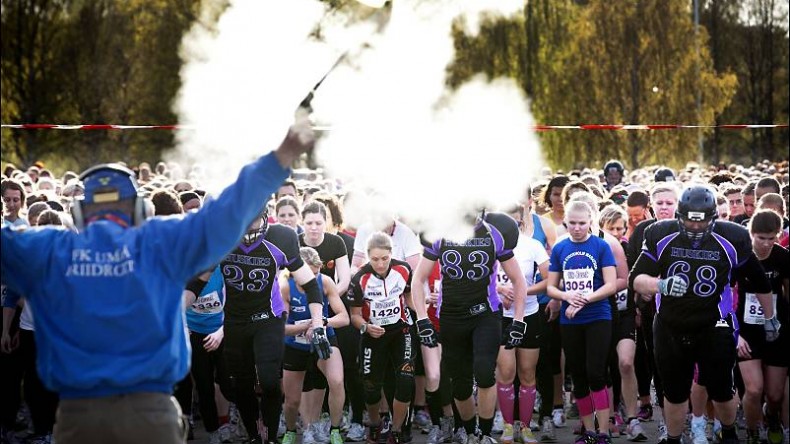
x: 613, y: 127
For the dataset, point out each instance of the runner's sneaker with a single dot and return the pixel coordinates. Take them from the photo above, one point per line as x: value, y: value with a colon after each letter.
x: 662, y: 432
x: 499, y: 423
x: 334, y: 437
x: 587, y: 438
x: 226, y: 433
x: 485, y: 439
x: 289, y: 438
x: 446, y: 426
x: 547, y: 433
x: 614, y: 431
x: 281, y: 428
x: 604, y: 438
x: 573, y: 412
x: 434, y: 435
x: 645, y: 412
x: 634, y: 431
x: 308, y: 435
x: 533, y: 425
x: 507, y: 434
x: 527, y: 437
x: 471, y: 439
x: 460, y: 436
x: 558, y: 418
x: 356, y: 432
x: 717, y: 431
x: 214, y: 438
x: 422, y: 419
x: 698, y: 426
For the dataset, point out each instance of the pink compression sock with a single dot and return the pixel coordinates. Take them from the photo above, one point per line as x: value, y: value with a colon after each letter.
x: 506, y: 395
x: 526, y: 403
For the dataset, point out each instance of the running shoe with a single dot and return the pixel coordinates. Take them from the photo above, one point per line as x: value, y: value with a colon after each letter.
x: 507, y: 434
x: 215, y: 438
x: 472, y: 439
x: 446, y: 426
x: 356, y: 432
x: 614, y: 431
x: 533, y: 425
x: 499, y: 423
x: 662, y: 432
x: 547, y: 433
x: 434, y: 435
x: 308, y: 436
x: 334, y: 437
x: 573, y: 412
x: 422, y: 419
x: 698, y: 435
x: 604, y: 438
x: 587, y: 438
x: 281, y: 428
x: 226, y: 433
x: 558, y: 418
x: 460, y: 436
x: 485, y: 439
x: 527, y: 437
x: 635, y: 433
x: 645, y: 413
x: 289, y: 437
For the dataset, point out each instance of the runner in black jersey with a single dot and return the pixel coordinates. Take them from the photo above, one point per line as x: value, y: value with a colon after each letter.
x: 688, y: 263
x: 469, y: 315
x: 254, y: 328
x: 764, y: 364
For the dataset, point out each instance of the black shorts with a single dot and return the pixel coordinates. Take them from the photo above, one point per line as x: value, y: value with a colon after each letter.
x: 755, y: 336
x: 299, y: 360
x: 624, y: 325
x: 393, y: 350
x: 469, y: 350
x: 712, y: 349
x: 535, y: 328
x: 776, y: 354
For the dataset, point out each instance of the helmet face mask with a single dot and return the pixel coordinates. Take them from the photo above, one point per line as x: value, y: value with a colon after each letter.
x: 257, y: 229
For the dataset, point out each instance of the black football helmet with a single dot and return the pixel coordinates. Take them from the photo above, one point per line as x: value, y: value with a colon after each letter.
x: 697, y: 204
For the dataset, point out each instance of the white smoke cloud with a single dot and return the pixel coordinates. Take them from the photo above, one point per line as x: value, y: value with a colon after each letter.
x: 428, y: 154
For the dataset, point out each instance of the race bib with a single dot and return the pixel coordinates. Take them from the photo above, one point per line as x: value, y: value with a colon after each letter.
x: 301, y: 338
x: 580, y: 280
x: 621, y: 297
x: 502, y: 278
x: 207, y: 304
x: 385, y: 312
x: 752, y: 310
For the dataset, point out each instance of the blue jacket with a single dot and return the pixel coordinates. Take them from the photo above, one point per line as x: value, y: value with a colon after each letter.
x: 108, y: 301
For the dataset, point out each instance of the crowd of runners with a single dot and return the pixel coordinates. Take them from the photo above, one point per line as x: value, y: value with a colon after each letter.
x: 601, y: 294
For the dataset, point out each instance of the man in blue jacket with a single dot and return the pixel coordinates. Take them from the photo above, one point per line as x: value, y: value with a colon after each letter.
x: 108, y: 300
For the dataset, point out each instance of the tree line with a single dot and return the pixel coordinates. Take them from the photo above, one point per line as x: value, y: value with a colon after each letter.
x: 578, y: 62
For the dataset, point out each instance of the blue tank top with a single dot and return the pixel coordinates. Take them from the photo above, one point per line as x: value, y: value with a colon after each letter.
x: 300, y: 313
x: 539, y: 235
x: 206, y: 314
x: 537, y: 232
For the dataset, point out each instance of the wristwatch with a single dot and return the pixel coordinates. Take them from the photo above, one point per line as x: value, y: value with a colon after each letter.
x: 363, y: 328
x: 326, y: 321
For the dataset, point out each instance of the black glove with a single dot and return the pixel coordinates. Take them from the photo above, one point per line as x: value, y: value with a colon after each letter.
x: 772, y: 327
x: 427, y: 333
x: 515, y: 334
x: 321, y: 343
x: 673, y: 286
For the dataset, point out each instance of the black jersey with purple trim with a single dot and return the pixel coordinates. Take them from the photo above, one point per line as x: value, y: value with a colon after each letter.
x: 707, y: 270
x: 469, y: 268
x: 251, y: 273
